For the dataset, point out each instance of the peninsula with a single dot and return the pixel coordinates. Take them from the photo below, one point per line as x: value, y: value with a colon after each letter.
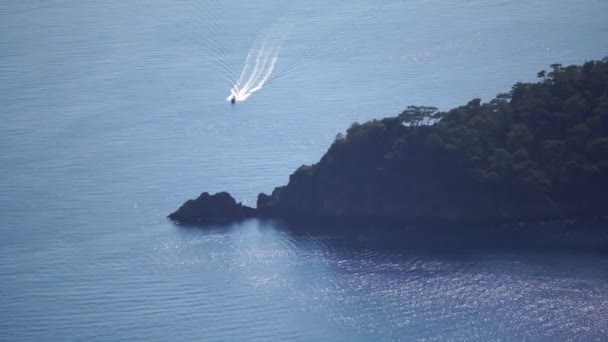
x: 539, y: 151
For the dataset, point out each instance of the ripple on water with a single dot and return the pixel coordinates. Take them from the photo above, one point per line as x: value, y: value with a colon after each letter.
x: 393, y: 294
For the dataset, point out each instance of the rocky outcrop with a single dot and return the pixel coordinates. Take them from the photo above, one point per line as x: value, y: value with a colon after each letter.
x: 209, y: 208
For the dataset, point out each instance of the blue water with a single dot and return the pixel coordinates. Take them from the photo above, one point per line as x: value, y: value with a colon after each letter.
x: 114, y: 112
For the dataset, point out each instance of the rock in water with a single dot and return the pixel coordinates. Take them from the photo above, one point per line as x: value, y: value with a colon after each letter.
x: 218, y: 207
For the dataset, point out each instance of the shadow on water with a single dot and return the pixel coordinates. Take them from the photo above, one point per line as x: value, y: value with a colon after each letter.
x: 215, y: 227
x: 580, y: 237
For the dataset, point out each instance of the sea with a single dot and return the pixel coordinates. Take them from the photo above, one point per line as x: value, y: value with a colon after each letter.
x: 113, y: 113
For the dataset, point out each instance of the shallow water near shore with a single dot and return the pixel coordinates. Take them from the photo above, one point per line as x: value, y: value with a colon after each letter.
x: 114, y: 113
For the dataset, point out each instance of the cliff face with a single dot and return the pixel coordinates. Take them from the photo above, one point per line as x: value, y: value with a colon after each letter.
x: 540, y: 151
x: 537, y: 152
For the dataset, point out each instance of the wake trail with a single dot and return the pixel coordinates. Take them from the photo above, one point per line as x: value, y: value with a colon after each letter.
x: 259, y: 66
x: 239, y: 83
x: 274, y: 57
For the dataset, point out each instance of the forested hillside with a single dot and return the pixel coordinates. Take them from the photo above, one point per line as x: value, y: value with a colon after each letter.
x: 538, y: 151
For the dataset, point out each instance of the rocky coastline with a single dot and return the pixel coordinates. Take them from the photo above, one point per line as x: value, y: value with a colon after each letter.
x: 539, y: 152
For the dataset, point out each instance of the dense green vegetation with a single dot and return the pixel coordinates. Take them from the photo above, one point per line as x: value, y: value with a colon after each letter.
x: 540, y: 150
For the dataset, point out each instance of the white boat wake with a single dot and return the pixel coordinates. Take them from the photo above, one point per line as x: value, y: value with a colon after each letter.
x: 264, y: 54
x: 259, y: 65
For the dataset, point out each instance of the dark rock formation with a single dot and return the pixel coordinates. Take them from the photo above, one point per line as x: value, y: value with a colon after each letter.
x: 209, y: 208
